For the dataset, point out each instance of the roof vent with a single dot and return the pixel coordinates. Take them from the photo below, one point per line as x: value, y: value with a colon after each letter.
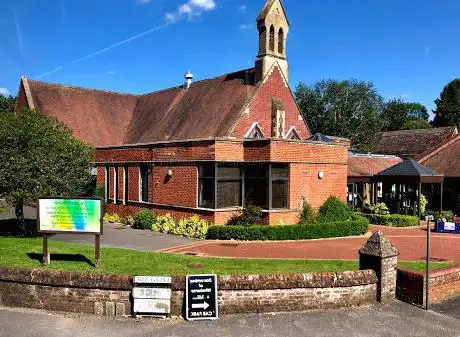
x: 188, y: 80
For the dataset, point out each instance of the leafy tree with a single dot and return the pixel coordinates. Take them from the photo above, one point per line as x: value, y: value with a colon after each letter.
x: 349, y: 109
x: 415, y: 124
x: 397, y: 112
x: 7, y: 104
x: 40, y: 158
x: 447, y: 111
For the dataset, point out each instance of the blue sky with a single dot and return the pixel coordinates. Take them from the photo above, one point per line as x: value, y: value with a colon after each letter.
x: 408, y: 48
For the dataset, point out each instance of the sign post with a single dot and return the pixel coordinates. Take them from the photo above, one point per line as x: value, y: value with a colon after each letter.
x: 201, y: 298
x: 70, y: 216
x: 428, y: 250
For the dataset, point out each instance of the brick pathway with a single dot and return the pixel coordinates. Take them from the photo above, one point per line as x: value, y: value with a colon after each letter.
x: 410, y: 242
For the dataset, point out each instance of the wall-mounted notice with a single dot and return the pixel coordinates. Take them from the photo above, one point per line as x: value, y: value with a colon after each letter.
x: 70, y: 216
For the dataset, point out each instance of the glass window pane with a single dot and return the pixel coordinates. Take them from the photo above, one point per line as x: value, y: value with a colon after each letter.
x: 256, y: 192
x: 144, y: 183
x: 256, y: 171
x: 228, y: 172
x: 206, y: 199
x: 280, y: 171
x: 280, y: 194
x: 207, y: 171
x: 228, y: 194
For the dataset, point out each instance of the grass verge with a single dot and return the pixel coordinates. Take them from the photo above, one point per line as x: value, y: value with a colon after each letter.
x: 27, y: 253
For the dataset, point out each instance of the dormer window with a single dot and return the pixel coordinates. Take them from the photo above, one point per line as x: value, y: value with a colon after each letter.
x: 254, y: 132
x: 293, y: 134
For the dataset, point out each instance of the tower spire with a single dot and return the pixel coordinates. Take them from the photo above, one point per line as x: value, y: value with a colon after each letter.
x: 273, y: 27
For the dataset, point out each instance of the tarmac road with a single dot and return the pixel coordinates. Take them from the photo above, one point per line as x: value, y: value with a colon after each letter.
x: 398, y: 320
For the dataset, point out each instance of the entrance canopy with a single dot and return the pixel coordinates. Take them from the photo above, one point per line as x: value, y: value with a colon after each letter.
x: 409, y: 171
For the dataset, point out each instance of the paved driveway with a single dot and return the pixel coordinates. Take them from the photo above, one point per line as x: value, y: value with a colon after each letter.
x: 118, y: 236
x: 449, y: 308
x: 399, y: 320
x: 411, y: 244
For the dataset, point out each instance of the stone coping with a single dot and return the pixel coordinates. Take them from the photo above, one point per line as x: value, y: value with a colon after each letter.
x: 254, y: 282
x: 438, y: 276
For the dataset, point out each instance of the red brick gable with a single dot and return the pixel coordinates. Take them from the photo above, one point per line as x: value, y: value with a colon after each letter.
x: 260, y: 108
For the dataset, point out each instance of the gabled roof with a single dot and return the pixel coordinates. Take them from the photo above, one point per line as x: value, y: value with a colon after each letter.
x: 266, y: 9
x: 413, y: 144
x: 208, y: 109
x: 368, y: 165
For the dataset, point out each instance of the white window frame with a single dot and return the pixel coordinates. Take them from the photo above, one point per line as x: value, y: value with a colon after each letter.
x: 125, y: 195
x: 292, y: 131
x: 115, y: 184
x: 254, y: 126
x: 107, y: 183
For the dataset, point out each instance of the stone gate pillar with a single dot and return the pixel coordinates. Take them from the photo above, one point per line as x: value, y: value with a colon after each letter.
x: 380, y: 255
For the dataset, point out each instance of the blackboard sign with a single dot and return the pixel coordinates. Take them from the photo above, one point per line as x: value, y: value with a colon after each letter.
x: 201, y: 297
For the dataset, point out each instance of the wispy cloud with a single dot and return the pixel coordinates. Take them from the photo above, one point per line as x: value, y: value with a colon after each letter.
x: 190, y: 9
x: 4, y: 92
x: 143, y: 2
x: 112, y: 73
x: 106, y: 49
x: 243, y: 9
x: 18, y: 32
x: 245, y: 26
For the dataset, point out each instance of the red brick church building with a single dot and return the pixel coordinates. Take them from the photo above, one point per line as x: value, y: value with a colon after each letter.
x: 208, y: 147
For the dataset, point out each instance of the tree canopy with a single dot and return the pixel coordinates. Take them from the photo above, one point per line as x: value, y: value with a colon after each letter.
x: 40, y: 158
x: 397, y: 113
x: 349, y: 109
x: 7, y: 104
x: 415, y: 124
x: 447, y: 111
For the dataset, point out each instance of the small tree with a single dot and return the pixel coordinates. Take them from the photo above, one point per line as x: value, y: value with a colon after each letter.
x: 40, y: 158
x: 7, y: 104
x: 447, y: 111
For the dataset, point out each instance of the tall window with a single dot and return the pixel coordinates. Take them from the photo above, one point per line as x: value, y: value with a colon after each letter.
x: 229, y: 186
x: 280, y: 186
x: 256, y: 186
x: 107, y: 184
x: 207, y: 186
x: 125, y: 185
x: 281, y: 41
x: 115, y: 184
x: 272, y: 39
x: 144, y: 183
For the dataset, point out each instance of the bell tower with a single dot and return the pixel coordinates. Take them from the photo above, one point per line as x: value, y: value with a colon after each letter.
x: 273, y: 27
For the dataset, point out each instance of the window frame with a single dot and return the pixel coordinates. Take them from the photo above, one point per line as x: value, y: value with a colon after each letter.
x: 228, y: 180
x: 141, y: 183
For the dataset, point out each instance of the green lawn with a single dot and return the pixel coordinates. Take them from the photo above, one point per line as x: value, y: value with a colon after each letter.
x: 27, y: 252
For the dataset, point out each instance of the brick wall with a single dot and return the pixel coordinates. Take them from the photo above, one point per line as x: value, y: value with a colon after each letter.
x: 260, y: 108
x: 444, y: 284
x: 110, y: 295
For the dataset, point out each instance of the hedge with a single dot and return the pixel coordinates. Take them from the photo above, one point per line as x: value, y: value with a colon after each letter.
x: 357, y: 226
x: 393, y: 220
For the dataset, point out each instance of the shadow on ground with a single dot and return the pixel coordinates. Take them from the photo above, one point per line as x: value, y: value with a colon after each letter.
x: 10, y: 227
x: 62, y: 257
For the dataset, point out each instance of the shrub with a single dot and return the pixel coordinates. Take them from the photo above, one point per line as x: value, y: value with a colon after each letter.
x: 423, y: 204
x: 250, y: 216
x: 379, y: 209
x: 164, y: 224
x: 442, y: 215
x: 194, y: 227
x: 357, y: 226
x: 394, y: 220
x: 99, y: 192
x: 307, y: 214
x: 144, y: 220
x: 334, y: 210
x: 129, y: 221
x: 112, y: 218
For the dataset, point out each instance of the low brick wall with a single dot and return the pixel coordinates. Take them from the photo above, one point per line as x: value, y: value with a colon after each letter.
x: 444, y: 284
x: 111, y: 295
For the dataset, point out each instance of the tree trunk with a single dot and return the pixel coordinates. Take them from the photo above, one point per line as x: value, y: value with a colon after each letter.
x: 19, y: 210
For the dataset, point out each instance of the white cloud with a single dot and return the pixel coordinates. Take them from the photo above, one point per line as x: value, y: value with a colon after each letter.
x: 245, y: 26
x: 190, y: 9
x: 112, y: 73
x: 4, y: 92
x: 243, y: 9
x: 143, y: 2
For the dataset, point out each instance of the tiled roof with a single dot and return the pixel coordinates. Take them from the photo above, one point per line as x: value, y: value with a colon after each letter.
x: 362, y: 165
x: 413, y: 144
x: 409, y: 168
x: 209, y: 109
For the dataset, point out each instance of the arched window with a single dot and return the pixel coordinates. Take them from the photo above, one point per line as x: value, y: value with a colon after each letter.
x: 281, y: 41
x: 272, y: 39
x: 262, y: 40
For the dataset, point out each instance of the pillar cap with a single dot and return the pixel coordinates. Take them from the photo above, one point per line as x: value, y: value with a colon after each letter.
x: 379, y: 245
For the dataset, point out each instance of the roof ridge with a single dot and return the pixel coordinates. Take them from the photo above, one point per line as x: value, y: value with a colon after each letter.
x: 418, y: 130
x: 83, y: 88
